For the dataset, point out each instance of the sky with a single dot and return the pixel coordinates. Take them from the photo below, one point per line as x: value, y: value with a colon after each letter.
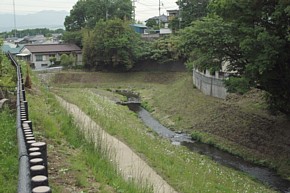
x: 144, y: 8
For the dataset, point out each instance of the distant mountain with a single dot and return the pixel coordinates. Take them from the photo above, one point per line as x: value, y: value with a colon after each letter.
x: 42, y: 19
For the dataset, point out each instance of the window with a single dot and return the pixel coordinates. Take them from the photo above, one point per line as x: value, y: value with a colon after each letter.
x: 38, y: 57
x: 43, y: 65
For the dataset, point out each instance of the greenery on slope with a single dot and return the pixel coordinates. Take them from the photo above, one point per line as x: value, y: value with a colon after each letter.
x: 8, y: 152
x: 184, y: 170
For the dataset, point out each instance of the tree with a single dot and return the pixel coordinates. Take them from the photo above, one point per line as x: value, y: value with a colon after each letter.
x: 67, y: 61
x: 73, y: 37
x: 164, y: 50
x: 86, y: 13
x: 111, y: 45
x: 253, y: 37
x: 191, y: 10
x: 152, y: 23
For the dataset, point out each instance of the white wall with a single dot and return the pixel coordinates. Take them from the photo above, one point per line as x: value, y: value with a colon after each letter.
x: 209, y: 85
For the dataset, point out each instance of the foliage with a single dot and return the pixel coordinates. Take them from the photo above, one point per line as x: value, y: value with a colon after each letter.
x: 192, y: 10
x: 31, y: 32
x: 8, y: 152
x: 203, y: 44
x: 253, y: 37
x: 152, y: 23
x: 73, y: 37
x: 89, y: 165
x: 164, y: 50
x: 111, y: 45
x: 237, y: 85
x: 174, y: 24
x: 67, y: 60
x: 167, y: 159
x: 88, y: 13
x: 7, y: 72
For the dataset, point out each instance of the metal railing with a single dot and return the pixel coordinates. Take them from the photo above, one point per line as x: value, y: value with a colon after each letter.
x: 32, y: 173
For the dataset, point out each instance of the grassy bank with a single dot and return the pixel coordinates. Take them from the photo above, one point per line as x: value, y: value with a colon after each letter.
x: 186, y: 171
x: 74, y: 164
x: 240, y: 125
x: 8, y: 152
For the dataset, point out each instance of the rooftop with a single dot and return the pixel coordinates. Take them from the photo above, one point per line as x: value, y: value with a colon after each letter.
x: 42, y: 48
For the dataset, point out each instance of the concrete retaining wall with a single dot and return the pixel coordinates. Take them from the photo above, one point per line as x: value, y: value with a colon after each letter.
x: 209, y: 85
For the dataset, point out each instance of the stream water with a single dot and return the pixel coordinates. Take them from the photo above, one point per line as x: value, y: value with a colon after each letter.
x: 263, y: 174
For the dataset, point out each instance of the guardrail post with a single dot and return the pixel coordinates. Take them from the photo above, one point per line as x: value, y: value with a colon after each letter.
x: 43, y: 149
x: 32, y: 160
x: 26, y: 109
x: 41, y: 189
x: 24, y: 95
x: 39, y: 180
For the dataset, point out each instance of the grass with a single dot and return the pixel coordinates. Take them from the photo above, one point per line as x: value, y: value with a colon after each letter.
x: 240, y: 125
x: 186, y: 171
x: 8, y: 152
x: 52, y: 122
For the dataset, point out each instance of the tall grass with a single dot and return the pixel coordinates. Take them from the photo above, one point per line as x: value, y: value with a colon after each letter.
x: 53, y: 122
x: 186, y: 171
x: 8, y: 152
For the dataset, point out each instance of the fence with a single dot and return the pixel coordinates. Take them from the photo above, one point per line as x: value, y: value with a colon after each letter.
x: 209, y: 85
x: 32, y: 173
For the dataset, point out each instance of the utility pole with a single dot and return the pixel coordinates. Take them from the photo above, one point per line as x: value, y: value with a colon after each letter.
x: 159, y: 21
x: 134, y: 11
x: 14, y: 19
x: 179, y: 14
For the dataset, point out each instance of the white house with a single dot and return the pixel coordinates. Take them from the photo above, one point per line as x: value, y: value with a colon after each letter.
x: 39, y: 55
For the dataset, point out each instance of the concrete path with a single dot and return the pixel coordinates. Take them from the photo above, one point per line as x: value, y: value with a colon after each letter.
x: 130, y: 165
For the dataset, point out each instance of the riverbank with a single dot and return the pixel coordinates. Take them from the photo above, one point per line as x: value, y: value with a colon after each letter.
x: 172, y: 99
x: 240, y: 124
x: 184, y: 170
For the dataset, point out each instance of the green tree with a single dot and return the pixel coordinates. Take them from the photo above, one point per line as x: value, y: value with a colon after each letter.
x: 86, y: 13
x: 73, y: 37
x: 67, y: 61
x: 191, y: 10
x: 111, y: 45
x: 152, y: 23
x: 164, y: 50
x: 253, y: 37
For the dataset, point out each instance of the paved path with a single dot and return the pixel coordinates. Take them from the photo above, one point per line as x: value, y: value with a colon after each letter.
x: 129, y: 163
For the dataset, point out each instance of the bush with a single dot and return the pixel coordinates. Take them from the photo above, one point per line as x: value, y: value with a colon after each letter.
x: 239, y: 85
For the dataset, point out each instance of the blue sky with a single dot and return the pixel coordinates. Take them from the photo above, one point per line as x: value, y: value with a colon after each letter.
x: 144, y: 8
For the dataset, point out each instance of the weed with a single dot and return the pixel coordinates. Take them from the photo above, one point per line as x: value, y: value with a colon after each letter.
x: 176, y: 164
x: 8, y: 152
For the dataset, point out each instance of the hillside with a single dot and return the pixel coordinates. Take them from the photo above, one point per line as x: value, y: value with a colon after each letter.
x: 42, y: 19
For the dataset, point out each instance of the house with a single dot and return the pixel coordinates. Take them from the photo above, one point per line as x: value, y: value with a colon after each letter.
x: 139, y: 28
x: 40, y: 55
x: 12, y: 48
x: 162, y: 18
x: 172, y: 14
